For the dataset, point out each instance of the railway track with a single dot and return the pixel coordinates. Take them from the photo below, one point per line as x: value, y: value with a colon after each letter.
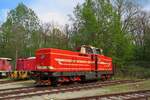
x: 134, y: 95
x: 24, y: 92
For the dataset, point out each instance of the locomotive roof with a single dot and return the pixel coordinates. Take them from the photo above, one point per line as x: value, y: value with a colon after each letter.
x: 26, y: 58
x: 3, y: 58
x: 31, y: 57
x: 78, y: 48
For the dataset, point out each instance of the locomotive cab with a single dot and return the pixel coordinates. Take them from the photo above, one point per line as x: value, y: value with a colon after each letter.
x: 90, y: 50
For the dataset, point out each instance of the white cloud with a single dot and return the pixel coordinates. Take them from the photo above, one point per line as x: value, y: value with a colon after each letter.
x: 147, y: 8
x: 54, y: 10
x: 55, y: 17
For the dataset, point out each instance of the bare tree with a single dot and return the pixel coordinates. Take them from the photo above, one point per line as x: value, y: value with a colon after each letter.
x: 127, y: 10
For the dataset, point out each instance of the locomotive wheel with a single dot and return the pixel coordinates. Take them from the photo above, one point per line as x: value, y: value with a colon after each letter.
x: 103, y: 77
x: 54, y: 81
x: 0, y: 75
x: 83, y: 79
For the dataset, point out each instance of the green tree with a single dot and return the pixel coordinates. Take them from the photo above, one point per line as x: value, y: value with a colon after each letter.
x: 19, y: 32
x: 98, y: 23
x: 86, y: 22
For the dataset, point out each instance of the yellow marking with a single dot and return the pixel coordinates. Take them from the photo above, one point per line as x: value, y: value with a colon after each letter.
x: 104, y: 63
x: 80, y: 62
x: 45, y: 67
x: 74, y: 64
x: 75, y: 61
x: 75, y: 68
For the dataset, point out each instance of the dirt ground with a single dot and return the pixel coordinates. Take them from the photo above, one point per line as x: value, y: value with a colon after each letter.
x: 98, y: 91
x: 16, y: 84
x: 91, y: 92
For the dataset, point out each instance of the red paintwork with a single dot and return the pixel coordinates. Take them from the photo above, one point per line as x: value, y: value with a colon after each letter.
x: 5, y: 65
x: 104, y: 63
x: 57, y: 60
x: 26, y: 64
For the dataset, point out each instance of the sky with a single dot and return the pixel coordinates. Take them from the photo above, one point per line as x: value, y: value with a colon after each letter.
x: 145, y: 4
x: 47, y: 10
x: 50, y: 10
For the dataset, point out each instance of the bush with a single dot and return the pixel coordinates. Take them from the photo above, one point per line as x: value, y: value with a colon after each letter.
x: 133, y: 72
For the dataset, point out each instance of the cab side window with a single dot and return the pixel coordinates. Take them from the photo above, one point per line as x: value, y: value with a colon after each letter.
x: 98, y: 51
x: 86, y: 50
x: 83, y: 50
x: 89, y: 50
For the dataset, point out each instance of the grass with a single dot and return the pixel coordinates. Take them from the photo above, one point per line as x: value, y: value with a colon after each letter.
x: 132, y: 72
x: 121, y: 77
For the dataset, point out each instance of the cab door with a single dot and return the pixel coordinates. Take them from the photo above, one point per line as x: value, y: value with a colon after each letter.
x: 94, y: 60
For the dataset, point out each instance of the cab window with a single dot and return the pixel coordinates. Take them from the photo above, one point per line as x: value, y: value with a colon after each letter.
x: 83, y: 50
x: 86, y: 50
x: 98, y: 51
x: 89, y: 50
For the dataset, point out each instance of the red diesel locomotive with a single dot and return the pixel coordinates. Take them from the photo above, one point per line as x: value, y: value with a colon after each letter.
x: 55, y: 65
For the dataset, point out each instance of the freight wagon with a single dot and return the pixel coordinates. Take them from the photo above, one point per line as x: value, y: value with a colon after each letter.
x: 56, y: 66
x: 5, y: 66
x: 24, y: 67
x: 26, y: 64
